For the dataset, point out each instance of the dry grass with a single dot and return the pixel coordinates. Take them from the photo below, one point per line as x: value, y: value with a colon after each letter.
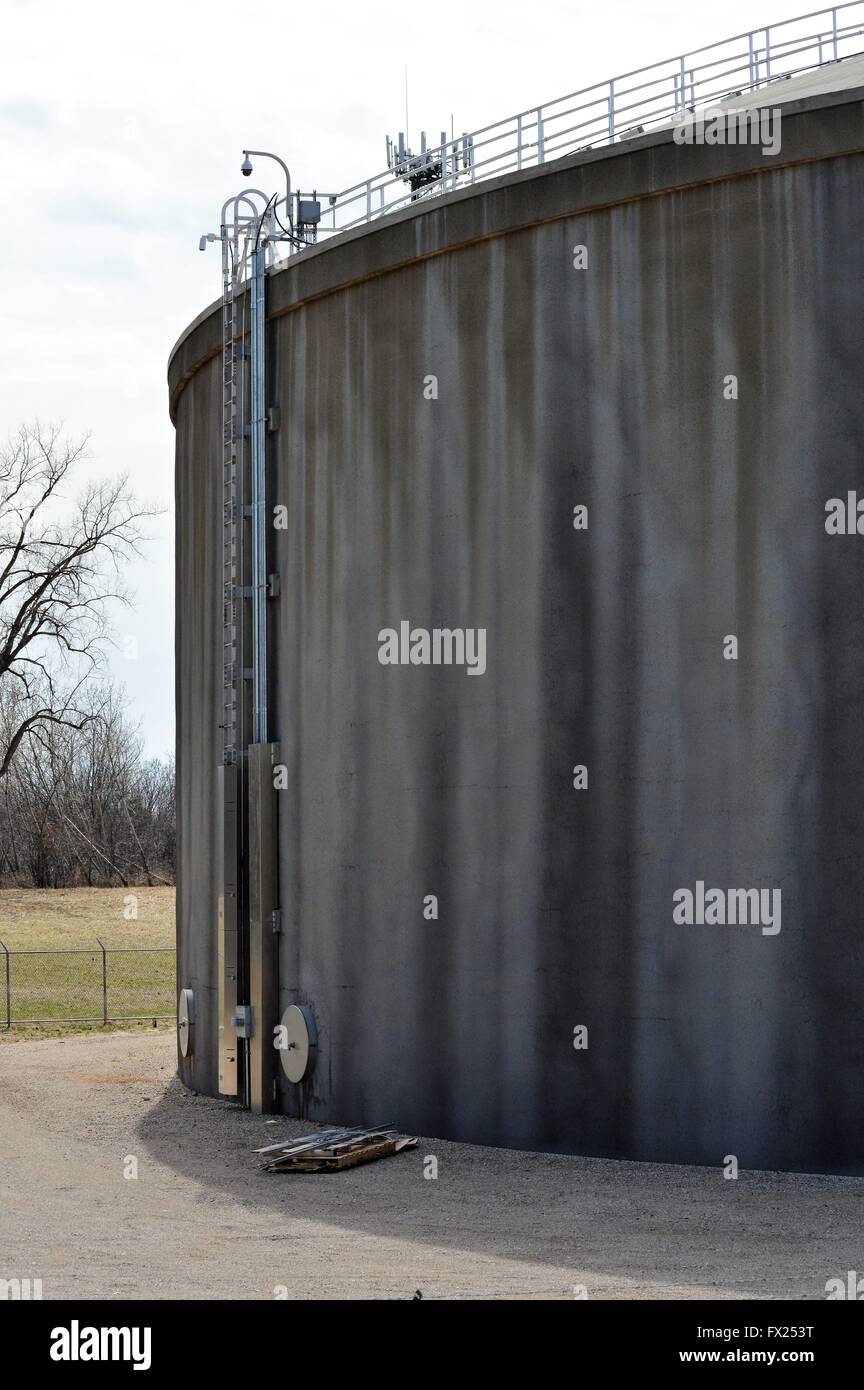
x: 70, y: 986
x: 31, y: 918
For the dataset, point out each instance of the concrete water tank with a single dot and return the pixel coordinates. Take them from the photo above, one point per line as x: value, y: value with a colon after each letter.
x: 505, y: 893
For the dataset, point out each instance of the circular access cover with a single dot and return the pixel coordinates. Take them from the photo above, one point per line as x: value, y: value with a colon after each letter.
x: 297, y: 1042
x: 185, y: 1021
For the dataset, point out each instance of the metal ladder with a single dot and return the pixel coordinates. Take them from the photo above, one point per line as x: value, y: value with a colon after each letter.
x: 246, y: 896
x: 234, y: 288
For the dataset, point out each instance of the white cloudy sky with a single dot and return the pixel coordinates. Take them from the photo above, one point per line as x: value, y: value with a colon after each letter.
x: 121, y: 127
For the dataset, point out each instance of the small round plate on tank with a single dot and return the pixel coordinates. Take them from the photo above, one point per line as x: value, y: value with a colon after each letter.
x: 297, y: 1042
x: 186, y: 1022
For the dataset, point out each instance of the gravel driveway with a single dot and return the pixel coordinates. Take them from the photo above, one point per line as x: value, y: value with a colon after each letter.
x: 201, y: 1221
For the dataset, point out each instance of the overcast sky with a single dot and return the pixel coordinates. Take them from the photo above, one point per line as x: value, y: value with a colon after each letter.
x: 121, y: 128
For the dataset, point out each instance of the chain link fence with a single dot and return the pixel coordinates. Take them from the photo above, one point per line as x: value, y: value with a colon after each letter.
x: 98, y: 984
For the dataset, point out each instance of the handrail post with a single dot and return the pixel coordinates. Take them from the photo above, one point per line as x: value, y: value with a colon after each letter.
x: 457, y: 156
x: 104, y: 983
x: 8, y: 988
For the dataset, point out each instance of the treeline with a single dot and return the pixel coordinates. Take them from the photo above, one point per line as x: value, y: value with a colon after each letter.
x: 79, y: 802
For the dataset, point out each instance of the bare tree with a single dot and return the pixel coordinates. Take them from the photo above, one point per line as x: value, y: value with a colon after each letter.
x: 61, y: 561
x: 83, y: 806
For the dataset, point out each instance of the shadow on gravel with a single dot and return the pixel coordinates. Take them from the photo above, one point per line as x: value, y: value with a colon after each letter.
x: 768, y: 1235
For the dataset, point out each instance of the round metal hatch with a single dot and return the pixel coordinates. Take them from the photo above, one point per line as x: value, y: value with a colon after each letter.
x: 297, y: 1051
x: 186, y: 1022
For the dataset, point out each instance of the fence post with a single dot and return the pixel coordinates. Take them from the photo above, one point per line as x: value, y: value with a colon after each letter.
x: 104, y: 983
x: 8, y: 991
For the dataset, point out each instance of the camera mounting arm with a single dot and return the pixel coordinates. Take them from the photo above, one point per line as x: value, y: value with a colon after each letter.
x: 246, y: 170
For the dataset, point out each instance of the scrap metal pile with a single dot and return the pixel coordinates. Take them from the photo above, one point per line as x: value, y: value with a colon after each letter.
x: 333, y: 1149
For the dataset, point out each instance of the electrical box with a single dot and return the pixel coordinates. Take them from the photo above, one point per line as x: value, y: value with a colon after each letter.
x: 243, y: 1021
x: 308, y: 212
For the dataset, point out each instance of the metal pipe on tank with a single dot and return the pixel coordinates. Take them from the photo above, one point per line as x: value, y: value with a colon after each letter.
x: 259, y: 517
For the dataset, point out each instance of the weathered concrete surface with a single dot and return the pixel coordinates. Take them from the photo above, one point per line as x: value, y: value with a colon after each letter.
x: 198, y: 685
x: 201, y: 1221
x: 559, y: 387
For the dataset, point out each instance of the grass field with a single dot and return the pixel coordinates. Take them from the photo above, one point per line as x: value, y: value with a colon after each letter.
x: 31, y: 918
x: 51, y: 986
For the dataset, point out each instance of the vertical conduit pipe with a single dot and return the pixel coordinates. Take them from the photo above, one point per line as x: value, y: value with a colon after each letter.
x: 259, y: 518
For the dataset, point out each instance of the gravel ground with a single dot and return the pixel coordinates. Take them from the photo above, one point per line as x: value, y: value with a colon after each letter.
x: 202, y: 1221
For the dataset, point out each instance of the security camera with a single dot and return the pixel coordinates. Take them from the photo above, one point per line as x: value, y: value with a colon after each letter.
x: 202, y: 245
x: 246, y: 167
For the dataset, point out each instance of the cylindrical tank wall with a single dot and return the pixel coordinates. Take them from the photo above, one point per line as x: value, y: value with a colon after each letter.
x: 555, y: 387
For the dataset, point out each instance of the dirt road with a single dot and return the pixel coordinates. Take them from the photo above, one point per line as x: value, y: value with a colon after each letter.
x: 201, y: 1221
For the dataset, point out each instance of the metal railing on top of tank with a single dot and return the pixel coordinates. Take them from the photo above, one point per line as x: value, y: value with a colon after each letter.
x: 596, y: 116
